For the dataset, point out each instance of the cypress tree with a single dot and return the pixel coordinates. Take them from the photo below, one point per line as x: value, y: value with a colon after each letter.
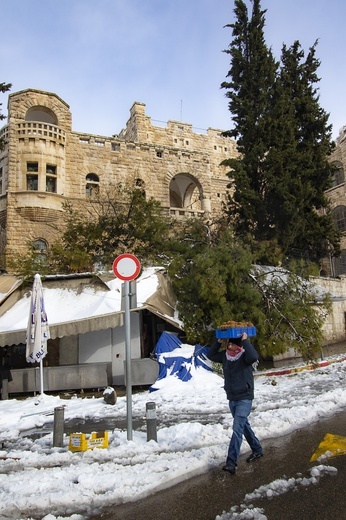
x: 284, y: 139
x: 250, y: 90
x: 300, y: 206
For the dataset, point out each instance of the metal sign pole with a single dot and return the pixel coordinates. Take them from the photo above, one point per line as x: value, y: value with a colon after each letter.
x: 127, y: 267
x: 128, y: 360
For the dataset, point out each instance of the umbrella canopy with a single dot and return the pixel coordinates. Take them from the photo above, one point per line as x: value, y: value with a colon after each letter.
x: 38, y: 329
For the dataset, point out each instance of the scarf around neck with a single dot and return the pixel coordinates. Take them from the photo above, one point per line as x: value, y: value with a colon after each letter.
x: 234, y: 355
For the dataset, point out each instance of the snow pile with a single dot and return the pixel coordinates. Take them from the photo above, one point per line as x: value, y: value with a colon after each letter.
x: 194, y: 428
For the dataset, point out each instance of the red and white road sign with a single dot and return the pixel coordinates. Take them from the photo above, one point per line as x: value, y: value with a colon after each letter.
x: 126, y: 267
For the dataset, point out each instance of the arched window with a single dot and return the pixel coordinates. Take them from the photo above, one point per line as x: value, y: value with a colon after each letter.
x: 139, y: 183
x: 92, y: 184
x: 338, y: 175
x: 339, y: 214
x: 43, y: 114
x: 340, y: 263
x: 140, y: 186
x: 40, y: 251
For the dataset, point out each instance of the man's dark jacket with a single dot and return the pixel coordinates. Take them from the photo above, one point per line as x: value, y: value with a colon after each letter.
x: 238, y: 375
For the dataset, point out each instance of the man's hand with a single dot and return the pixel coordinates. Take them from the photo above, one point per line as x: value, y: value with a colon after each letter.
x: 243, y: 336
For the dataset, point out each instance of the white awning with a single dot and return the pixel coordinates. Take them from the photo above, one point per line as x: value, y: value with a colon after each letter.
x: 68, y: 328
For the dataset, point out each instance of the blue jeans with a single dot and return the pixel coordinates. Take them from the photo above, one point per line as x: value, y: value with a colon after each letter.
x: 240, y: 411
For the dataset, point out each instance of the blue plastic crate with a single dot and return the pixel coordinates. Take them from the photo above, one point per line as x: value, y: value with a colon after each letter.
x: 235, y: 332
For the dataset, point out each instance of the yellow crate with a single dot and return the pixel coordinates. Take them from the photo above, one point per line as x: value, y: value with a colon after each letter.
x: 83, y: 441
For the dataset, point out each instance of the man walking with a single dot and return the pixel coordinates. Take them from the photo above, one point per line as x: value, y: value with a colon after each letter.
x: 237, y: 361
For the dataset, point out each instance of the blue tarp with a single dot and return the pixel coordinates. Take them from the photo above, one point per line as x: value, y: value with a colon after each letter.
x: 175, y: 363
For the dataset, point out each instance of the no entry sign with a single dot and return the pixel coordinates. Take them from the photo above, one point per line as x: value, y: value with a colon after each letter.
x: 126, y: 267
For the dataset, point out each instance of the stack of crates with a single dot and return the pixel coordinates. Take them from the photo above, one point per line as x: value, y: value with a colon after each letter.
x: 235, y: 332
x: 83, y: 441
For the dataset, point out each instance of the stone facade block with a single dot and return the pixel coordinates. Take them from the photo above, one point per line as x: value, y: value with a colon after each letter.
x: 337, y: 196
x: 45, y: 163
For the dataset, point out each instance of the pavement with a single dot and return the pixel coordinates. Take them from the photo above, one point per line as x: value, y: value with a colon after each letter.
x: 209, y: 495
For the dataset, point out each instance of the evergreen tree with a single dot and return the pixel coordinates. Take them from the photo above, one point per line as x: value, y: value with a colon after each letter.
x: 250, y: 90
x: 299, y: 206
x: 294, y: 313
x: 121, y: 221
x: 284, y: 139
x: 216, y: 281
x: 211, y: 279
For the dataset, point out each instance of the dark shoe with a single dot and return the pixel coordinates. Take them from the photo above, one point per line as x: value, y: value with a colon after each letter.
x: 254, y: 456
x: 230, y: 469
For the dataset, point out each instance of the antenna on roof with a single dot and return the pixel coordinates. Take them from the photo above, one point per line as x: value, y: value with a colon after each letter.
x: 181, y: 110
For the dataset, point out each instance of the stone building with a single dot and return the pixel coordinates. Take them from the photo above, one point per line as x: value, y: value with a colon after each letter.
x: 337, y: 196
x: 45, y: 163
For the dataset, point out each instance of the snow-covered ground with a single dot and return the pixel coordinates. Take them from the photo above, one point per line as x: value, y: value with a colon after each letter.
x: 40, y: 481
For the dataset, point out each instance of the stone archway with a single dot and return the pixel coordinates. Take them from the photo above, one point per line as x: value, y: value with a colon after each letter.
x: 185, y: 193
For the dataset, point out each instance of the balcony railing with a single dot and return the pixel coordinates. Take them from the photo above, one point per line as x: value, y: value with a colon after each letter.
x: 185, y: 213
x: 41, y: 130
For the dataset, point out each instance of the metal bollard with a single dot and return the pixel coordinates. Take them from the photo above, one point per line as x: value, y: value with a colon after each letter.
x: 58, y: 431
x: 151, y: 422
x: 4, y: 390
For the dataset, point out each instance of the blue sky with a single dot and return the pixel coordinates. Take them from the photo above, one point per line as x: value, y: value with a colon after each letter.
x: 101, y: 56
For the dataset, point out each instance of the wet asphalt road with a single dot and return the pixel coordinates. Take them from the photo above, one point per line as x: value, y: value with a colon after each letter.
x: 206, y: 496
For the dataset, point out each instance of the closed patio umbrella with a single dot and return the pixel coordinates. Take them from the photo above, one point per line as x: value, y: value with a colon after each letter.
x: 38, y: 329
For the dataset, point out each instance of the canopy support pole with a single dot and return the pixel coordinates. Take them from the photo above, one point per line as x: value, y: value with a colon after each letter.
x: 41, y: 376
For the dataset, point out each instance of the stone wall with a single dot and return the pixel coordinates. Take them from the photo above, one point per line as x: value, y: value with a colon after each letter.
x: 335, y: 324
x: 334, y: 327
x: 337, y: 197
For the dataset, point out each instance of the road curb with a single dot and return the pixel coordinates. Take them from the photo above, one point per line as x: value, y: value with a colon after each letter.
x: 292, y: 370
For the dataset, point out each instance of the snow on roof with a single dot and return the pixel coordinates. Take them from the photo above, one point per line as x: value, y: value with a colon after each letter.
x: 67, y: 303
